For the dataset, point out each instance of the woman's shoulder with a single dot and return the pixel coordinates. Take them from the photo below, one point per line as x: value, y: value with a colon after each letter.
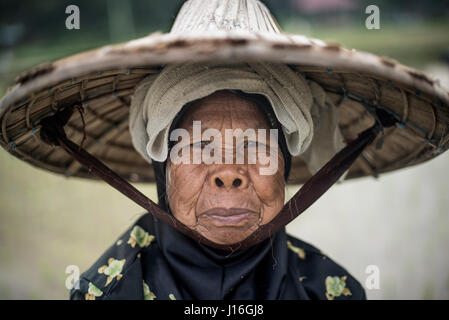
x: 322, y: 277
x: 118, y: 271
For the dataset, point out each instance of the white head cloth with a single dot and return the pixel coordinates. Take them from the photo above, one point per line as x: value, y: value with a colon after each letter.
x: 309, y: 119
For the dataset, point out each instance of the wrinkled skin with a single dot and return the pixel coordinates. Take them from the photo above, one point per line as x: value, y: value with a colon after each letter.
x: 194, y: 189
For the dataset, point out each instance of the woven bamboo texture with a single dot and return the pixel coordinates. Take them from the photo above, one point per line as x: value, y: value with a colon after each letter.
x: 102, y: 82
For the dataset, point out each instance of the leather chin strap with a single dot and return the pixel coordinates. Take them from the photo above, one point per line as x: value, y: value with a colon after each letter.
x: 53, y: 133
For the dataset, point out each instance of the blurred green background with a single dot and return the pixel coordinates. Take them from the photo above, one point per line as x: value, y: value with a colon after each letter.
x: 399, y: 222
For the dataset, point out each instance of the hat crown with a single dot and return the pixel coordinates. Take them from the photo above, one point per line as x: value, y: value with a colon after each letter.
x: 225, y: 15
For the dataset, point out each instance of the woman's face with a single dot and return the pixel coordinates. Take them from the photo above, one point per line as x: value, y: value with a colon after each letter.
x: 225, y: 202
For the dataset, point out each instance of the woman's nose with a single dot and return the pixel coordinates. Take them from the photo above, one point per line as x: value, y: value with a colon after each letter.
x: 229, y: 177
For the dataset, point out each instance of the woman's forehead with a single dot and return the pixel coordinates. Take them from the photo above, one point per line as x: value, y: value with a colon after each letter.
x: 224, y: 109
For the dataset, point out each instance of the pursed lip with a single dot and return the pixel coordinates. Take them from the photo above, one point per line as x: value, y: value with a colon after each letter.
x: 228, y: 217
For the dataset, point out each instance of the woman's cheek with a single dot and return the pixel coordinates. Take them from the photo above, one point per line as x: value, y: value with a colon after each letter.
x: 184, y: 187
x: 270, y: 188
x: 271, y: 192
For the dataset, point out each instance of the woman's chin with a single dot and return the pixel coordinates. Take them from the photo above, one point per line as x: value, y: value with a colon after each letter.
x: 225, y: 235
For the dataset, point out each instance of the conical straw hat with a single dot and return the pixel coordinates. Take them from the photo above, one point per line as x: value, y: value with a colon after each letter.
x: 103, y: 81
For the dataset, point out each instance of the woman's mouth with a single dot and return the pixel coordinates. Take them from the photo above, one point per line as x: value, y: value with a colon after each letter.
x: 233, y: 217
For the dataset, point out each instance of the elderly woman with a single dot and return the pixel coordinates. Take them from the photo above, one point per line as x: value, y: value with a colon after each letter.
x: 224, y: 201
x: 222, y: 112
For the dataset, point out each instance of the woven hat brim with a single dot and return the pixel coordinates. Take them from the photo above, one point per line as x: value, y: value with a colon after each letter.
x: 102, y: 81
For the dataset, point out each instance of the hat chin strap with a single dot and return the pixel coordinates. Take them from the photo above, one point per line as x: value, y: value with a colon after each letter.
x: 53, y: 133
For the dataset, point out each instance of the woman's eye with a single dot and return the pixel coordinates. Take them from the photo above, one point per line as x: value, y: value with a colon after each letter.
x: 251, y: 144
x: 200, y: 144
x: 248, y: 144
